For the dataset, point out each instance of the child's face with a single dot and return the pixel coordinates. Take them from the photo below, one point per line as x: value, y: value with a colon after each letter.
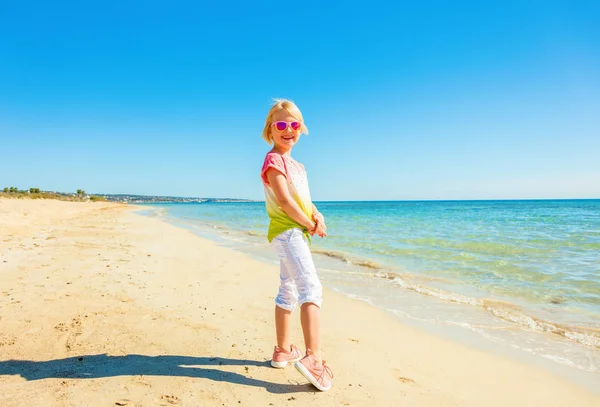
x: 284, y: 139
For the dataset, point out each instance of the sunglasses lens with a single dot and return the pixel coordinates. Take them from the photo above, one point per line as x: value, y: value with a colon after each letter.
x: 281, y: 126
x: 296, y: 125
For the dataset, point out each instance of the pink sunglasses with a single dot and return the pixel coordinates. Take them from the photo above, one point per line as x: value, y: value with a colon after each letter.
x: 281, y: 126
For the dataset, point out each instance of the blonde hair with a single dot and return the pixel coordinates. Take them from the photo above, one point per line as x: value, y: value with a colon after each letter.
x: 282, y: 104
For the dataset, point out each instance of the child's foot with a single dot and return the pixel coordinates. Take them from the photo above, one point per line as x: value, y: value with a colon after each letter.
x: 281, y: 358
x: 319, y: 375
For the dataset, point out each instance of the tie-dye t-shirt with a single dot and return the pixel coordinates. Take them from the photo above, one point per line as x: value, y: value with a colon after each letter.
x: 298, y: 185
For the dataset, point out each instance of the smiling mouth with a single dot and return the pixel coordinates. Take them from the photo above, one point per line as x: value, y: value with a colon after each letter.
x: 287, y: 138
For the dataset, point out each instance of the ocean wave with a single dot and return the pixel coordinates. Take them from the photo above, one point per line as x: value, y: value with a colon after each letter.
x: 348, y: 259
x: 433, y: 292
x: 586, y: 336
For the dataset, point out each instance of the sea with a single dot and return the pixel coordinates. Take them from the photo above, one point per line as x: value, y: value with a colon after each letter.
x: 518, y: 277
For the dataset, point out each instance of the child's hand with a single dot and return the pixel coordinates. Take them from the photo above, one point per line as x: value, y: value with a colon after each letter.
x: 320, y: 227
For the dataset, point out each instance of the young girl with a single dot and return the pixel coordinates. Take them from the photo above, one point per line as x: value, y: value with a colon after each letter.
x: 293, y: 219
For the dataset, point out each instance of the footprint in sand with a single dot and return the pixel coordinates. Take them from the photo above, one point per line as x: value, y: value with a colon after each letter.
x: 125, y: 402
x: 71, y: 332
x: 169, y: 399
x: 6, y: 340
x: 403, y: 379
x: 61, y: 327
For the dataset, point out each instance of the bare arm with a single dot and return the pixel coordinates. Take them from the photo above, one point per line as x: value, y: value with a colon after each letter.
x: 315, y: 210
x: 285, y: 201
x: 320, y: 228
x: 318, y: 215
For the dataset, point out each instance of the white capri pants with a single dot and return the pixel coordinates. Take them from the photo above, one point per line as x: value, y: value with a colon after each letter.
x: 299, y: 282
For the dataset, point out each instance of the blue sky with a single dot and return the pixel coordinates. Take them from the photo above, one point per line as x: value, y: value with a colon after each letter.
x: 437, y: 100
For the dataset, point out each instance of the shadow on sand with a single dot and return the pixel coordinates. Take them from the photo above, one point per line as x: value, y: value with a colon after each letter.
x: 97, y: 366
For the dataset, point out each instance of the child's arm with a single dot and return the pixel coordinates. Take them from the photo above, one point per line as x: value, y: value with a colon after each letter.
x: 318, y: 215
x: 320, y: 228
x: 285, y: 201
x: 315, y: 210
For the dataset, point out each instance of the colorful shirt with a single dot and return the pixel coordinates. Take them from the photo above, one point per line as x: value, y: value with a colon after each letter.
x: 298, y: 185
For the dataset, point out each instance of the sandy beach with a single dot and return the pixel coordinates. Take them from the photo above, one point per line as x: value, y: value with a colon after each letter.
x: 100, y: 306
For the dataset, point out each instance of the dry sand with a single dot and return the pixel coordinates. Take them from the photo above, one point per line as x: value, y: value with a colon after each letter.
x: 100, y: 306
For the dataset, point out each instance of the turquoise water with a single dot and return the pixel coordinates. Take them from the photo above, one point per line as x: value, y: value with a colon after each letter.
x: 490, y: 266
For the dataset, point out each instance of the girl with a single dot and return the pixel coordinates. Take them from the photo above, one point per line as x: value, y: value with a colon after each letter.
x: 293, y: 219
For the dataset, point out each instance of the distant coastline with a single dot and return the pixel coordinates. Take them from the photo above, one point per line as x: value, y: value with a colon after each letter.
x: 129, y: 198
x: 81, y: 195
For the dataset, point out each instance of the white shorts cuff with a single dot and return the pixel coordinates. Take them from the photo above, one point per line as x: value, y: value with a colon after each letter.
x: 316, y: 302
x: 286, y: 306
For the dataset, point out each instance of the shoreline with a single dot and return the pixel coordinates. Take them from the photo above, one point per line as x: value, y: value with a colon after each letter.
x: 86, y: 280
x: 494, y: 325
